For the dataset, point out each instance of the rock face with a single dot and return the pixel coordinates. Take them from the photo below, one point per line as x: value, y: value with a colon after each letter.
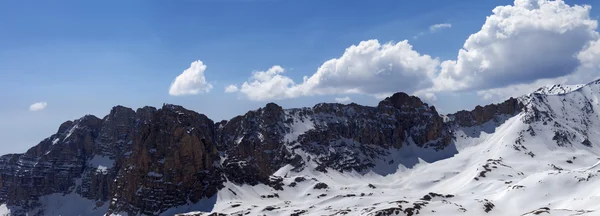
x: 50, y: 167
x: 150, y: 160
x: 352, y: 137
x: 172, y: 161
x: 481, y: 115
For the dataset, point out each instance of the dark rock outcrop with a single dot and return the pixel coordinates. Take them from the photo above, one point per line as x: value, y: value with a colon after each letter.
x: 172, y: 161
x: 481, y: 115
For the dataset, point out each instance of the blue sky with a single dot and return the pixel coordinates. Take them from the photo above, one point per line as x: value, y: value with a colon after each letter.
x: 84, y: 57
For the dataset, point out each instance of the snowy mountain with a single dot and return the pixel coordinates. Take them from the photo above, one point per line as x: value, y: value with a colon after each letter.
x: 557, y: 89
x: 536, y: 154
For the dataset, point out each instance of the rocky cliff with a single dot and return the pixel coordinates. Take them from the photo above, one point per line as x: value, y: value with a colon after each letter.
x: 491, y: 112
x: 150, y: 160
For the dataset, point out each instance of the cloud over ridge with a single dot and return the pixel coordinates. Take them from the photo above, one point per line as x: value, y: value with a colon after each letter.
x: 191, y: 81
x: 518, y: 45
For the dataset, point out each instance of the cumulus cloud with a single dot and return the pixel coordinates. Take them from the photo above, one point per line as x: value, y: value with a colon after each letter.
x: 191, y: 81
x: 373, y: 68
x: 436, y: 27
x: 231, y: 89
x: 590, y: 56
x: 38, y: 106
x: 425, y: 95
x: 269, y: 84
x: 520, y: 44
x: 518, y: 48
x: 367, y: 68
x: 343, y: 99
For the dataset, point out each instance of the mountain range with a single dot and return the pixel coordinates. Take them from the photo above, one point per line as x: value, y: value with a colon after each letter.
x: 531, y: 155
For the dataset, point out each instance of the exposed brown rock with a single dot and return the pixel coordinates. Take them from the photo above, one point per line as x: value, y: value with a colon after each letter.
x: 171, y: 163
x: 481, y: 115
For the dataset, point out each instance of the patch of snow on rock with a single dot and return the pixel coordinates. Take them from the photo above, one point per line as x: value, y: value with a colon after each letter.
x: 101, y: 163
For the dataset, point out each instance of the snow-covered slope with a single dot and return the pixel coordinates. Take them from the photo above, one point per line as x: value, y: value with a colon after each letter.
x: 543, y: 160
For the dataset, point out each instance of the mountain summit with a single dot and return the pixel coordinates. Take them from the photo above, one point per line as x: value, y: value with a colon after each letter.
x: 525, y: 156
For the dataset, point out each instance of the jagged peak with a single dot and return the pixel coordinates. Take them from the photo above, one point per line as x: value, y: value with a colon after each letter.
x: 272, y: 107
x: 595, y: 82
x: 167, y: 106
x: 119, y: 112
x: 557, y: 89
x: 324, y: 106
x: 64, y: 126
x: 401, y: 100
x: 147, y: 108
x: 119, y: 108
x: 177, y: 109
x: 146, y: 111
x: 482, y: 114
x: 86, y: 120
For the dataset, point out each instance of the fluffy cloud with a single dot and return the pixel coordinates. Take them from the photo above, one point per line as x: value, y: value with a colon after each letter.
x: 374, y: 68
x: 520, y: 44
x: 231, y: 89
x: 343, y: 99
x: 519, y: 47
x: 38, y: 106
x: 590, y: 56
x: 270, y: 84
x: 191, y: 81
x: 367, y: 68
x: 436, y: 27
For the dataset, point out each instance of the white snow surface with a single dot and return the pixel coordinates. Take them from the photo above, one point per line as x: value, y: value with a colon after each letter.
x: 298, y: 127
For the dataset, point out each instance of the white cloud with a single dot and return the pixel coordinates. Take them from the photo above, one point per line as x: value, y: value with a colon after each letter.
x: 231, y: 89
x: 435, y: 27
x: 38, y: 106
x: 590, y: 56
x: 520, y: 44
x: 191, y: 81
x: 519, y: 48
x: 343, y: 99
x: 426, y: 96
x: 270, y: 84
x: 418, y: 35
x: 367, y: 68
x: 373, y: 68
